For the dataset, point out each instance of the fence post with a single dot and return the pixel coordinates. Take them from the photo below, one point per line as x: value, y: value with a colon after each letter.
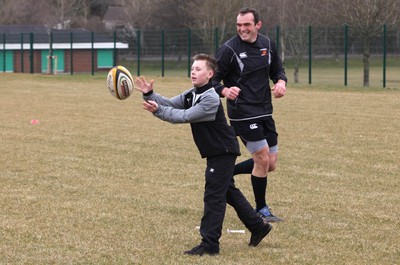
x: 138, y: 52
x: 71, y: 53
x: 31, y: 52
x: 346, y: 47
x: 162, y: 52
x: 309, y: 54
x: 189, y: 49
x: 22, y: 52
x: 384, y: 54
x: 4, y: 52
x: 51, y: 53
x: 115, y: 49
x: 92, y: 50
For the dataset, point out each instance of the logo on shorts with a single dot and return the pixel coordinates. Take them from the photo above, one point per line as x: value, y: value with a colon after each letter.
x: 253, y: 126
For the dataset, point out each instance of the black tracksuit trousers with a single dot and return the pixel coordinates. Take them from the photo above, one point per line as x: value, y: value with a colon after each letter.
x: 219, y: 190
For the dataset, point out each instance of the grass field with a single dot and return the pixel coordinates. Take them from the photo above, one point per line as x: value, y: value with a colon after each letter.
x: 101, y: 181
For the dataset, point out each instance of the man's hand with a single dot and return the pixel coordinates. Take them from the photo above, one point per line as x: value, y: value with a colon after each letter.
x: 279, y: 89
x: 231, y: 92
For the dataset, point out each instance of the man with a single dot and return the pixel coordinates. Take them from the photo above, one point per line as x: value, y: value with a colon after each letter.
x: 216, y: 140
x: 246, y: 63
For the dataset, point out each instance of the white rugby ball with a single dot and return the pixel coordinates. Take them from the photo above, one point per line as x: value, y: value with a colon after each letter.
x: 120, y: 82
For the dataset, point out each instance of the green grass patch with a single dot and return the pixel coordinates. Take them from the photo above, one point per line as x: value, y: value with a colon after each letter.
x: 352, y: 62
x: 101, y: 181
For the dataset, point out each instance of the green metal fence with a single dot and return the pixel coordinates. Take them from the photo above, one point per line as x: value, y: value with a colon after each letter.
x: 311, y: 55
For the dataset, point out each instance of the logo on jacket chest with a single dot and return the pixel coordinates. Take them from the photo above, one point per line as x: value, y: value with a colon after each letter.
x: 264, y: 51
x: 243, y: 55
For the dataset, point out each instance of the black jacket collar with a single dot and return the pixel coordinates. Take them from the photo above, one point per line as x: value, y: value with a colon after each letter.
x: 204, y: 88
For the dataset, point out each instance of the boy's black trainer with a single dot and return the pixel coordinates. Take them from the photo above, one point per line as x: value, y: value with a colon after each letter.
x: 200, y: 251
x: 255, y: 239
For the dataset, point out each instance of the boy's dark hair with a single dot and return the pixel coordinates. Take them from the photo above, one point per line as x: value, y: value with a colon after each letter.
x: 210, y: 60
x: 245, y: 10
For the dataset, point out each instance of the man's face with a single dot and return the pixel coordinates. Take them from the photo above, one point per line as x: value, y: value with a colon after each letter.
x: 246, y: 28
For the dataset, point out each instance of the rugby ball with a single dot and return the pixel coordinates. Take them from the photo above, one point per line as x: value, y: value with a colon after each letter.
x: 120, y: 82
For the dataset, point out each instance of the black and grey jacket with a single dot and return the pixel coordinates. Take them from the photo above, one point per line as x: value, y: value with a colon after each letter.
x: 249, y: 66
x: 202, y: 108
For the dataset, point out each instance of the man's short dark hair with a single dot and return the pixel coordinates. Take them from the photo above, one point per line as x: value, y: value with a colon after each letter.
x: 246, y: 10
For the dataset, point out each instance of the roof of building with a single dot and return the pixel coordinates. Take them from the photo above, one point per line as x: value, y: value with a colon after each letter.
x: 41, y: 34
x: 14, y: 35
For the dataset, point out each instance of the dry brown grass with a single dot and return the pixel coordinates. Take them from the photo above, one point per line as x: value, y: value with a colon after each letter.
x: 100, y: 181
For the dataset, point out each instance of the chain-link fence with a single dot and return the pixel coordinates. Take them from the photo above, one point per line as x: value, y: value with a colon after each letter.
x: 311, y: 55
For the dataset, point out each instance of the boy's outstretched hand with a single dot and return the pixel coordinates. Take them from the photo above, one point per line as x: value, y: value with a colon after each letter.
x: 150, y: 105
x: 142, y: 85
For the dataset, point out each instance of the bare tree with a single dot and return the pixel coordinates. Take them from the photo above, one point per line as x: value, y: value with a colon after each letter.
x: 155, y: 14
x: 53, y: 13
x: 61, y: 13
x: 140, y: 13
x: 367, y: 17
x: 294, y: 18
x: 19, y: 12
x: 206, y: 15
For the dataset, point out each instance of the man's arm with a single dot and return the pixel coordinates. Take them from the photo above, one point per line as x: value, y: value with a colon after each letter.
x: 224, y: 60
x: 276, y: 69
x: 277, y: 73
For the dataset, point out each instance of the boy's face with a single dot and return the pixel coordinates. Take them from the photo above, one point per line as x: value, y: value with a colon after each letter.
x: 200, y: 73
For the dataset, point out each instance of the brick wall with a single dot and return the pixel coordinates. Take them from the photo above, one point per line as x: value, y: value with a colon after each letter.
x: 81, y: 59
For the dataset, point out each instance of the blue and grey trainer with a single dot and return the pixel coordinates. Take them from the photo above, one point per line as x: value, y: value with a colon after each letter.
x: 266, y: 215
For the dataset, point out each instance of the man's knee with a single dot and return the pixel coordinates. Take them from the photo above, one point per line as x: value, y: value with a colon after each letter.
x: 271, y: 167
x: 261, y: 159
x: 273, y: 158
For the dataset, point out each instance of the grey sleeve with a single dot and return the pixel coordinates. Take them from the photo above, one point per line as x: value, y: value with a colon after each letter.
x: 204, y: 110
x: 176, y: 102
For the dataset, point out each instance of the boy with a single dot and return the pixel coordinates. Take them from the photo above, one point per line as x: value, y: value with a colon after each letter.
x: 216, y: 140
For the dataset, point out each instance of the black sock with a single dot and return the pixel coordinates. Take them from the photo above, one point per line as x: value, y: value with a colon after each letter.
x: 259, y: 189
x: 245, y: 167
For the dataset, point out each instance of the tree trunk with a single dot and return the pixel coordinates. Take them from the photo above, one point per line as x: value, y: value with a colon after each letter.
x: 296, y: 74
x: 366, y: 55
